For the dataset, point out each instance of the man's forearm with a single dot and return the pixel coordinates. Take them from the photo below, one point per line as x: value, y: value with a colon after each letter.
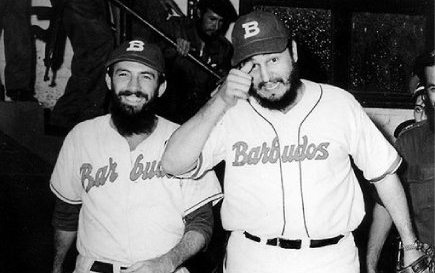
x: 191, y: 243
x: 393, y: 196
x: 62, y: 243
x: 379, y: 229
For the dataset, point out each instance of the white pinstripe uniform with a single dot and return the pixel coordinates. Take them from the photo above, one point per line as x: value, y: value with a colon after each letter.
x: 295, y: 180
x: 130, y: 210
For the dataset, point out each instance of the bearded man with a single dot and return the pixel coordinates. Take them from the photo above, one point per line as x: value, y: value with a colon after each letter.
x: 292, y: 199
x: 127, y: 215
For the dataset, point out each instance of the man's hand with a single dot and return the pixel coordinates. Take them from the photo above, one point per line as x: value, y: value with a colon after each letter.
x: 160, y: 264
x: 236, y: 85
x: 183, y: 46
x: 410, y: 256
x: 411, y: 260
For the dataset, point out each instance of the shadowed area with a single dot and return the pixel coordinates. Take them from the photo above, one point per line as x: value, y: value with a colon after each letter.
x: 26, y: 205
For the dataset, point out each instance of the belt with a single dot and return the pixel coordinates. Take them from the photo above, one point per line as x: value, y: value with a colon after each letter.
x: 103, y: 267
x: 294, y: 244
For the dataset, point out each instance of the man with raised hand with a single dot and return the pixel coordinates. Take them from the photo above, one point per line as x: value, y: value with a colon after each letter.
x: 292, y: 199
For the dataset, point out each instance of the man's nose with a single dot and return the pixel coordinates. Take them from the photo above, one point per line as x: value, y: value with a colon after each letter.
x: 264, y: 74
x: 216, y: 25
x: 133, y: 84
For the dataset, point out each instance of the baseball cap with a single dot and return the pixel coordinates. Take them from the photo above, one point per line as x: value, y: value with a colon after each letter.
x: 258, y: 32
x: 138, y: 51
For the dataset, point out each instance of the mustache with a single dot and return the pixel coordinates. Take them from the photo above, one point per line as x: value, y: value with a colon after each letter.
x: 138, y: 94
x: 273, y: 80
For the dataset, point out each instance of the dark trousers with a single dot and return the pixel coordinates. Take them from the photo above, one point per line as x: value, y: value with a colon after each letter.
x: 92, y: 41
x: 19, y: 48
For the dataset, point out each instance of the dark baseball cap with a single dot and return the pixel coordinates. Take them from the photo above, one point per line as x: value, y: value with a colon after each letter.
x: 138, y: 51
x: 258, y: 32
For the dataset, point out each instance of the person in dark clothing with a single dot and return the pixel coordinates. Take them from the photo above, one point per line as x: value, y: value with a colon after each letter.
x: 416, y: 145
x: 189, y: 86
x: 92, y: 40
x: 419, y: 113
x: 19, y: 49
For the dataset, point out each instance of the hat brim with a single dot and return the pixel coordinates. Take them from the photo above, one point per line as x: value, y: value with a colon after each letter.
x: 266, y: 46
x: 136, y: 58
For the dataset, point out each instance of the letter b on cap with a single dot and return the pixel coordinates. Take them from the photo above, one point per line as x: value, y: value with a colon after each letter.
x: 135, y: 46
x: 251, y: 29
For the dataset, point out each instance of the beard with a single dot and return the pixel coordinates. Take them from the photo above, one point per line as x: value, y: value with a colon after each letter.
x: 289, y: 96
x: 206, y: 38
x: 129, y: 120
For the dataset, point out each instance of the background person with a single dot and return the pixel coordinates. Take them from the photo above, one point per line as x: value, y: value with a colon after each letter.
x: 86, y: 25
x: 418, y: 112
x: 416, y: 146
x: 416, y: 87
x: 19, y: 49
x: 189, y: 86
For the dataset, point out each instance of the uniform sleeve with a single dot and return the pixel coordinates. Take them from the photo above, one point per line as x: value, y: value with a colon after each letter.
x: 202, y: 221
x: 371, y: 151
x: 198, y: 192
x: 65, y: 216
x: 212, y: 153
x: 65, y: 179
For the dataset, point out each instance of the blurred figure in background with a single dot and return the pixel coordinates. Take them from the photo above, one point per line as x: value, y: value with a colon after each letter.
x: 87, y: 28
x: 419, y: 113
x: 419, y: 104
x: 416, y: 88
x: 19, y: 50
x: 416, y: 145
x: 189, y: 86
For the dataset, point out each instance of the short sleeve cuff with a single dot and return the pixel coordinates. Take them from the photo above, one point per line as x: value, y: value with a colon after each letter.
x: 63, y: 198
x: 393, y: 168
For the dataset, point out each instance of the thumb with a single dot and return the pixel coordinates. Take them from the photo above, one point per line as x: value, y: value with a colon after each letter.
x: 247, y: 67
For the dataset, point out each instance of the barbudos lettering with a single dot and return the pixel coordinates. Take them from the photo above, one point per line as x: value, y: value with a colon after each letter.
x: 270, y: 153
x: 144, y: 170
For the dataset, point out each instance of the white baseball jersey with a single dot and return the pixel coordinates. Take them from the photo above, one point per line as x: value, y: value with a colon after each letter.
x: 294, y: 179
x: 130, y: 210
